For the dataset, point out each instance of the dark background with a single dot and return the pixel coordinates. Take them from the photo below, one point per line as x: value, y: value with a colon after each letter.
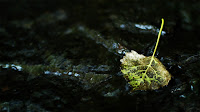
x: 68, y: 51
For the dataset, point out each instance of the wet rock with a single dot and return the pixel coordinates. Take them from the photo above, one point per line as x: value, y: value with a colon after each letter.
x: 135, y: 28
x: 55, y: 57
x: 51, y: 18
x: 110, y: 44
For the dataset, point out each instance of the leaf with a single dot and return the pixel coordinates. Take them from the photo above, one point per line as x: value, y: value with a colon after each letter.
x: 145, y: 73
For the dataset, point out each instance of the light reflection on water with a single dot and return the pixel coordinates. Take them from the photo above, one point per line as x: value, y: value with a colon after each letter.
x: 47, y: 72
x: 13, y: 66
x: 122, y: 26
x: 149, y: 27
x: 57, y: 73
x: 182, y: 96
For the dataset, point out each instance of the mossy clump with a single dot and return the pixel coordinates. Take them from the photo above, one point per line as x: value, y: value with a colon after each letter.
x: 142, y: 76
x: 145, y: 73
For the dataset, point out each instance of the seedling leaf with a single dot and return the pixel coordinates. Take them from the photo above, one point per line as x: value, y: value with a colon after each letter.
x: 145, y: 73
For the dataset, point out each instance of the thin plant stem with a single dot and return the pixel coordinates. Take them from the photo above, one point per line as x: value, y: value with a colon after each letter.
x: 152, y: 58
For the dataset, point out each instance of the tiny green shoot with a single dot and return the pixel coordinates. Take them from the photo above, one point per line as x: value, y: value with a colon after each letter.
x: 152, y: 57
x: 145, y: 72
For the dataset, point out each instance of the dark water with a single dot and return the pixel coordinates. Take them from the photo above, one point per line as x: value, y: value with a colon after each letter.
x: 65, y: 55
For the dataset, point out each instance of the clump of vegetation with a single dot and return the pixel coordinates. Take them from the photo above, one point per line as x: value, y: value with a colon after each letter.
x: 145, y: 73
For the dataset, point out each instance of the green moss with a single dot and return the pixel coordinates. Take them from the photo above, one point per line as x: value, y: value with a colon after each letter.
x: 144, y: 72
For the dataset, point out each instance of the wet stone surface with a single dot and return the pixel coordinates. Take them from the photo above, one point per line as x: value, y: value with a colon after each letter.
x: 65, y: 56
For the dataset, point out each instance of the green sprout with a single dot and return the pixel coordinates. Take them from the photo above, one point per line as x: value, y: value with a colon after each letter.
x: 144, y: 72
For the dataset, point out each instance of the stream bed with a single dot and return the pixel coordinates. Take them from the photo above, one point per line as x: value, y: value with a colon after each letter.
x: 64, y: 56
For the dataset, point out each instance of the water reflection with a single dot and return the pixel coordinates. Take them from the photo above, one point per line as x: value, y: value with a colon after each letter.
x: 12, y: 66
x: 149, y: 27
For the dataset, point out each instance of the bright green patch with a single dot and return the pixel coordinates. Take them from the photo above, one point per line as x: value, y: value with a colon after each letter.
x: 144, y: 72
